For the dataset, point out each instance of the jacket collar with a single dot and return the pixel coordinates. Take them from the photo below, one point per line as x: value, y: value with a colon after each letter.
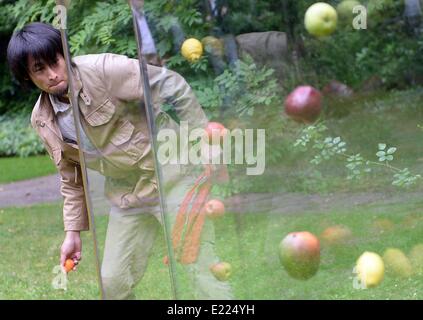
x: 45, y: 108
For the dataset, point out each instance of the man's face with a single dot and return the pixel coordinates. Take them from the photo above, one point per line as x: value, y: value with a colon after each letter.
x: 52, y: 79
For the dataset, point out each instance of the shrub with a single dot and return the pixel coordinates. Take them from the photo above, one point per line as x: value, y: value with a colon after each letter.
x: 17, y: 138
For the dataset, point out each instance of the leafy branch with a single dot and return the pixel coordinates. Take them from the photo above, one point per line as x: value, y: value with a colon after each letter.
x: 357, y: 165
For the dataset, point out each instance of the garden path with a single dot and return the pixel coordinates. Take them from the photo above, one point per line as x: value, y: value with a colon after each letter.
x: 46, y: 189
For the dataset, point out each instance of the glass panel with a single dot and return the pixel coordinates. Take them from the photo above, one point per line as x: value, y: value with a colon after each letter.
x: 324, y: 198
x: 315, y: 188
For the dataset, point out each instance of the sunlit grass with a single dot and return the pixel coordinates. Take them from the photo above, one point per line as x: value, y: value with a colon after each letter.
x: 16, y: 169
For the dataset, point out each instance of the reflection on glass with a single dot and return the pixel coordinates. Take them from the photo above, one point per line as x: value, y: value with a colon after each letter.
x: 308, y: 187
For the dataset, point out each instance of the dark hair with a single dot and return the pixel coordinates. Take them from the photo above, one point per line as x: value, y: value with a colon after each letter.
x: 39, y: 40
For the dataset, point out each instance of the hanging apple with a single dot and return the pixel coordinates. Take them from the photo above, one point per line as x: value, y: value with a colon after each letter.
x: 215, y: 132
x: 304, y: 104
x: 321, y: 19
x: 214, y: 209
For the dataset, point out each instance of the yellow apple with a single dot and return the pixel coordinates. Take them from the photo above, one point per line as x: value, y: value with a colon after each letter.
x: 370, y: 269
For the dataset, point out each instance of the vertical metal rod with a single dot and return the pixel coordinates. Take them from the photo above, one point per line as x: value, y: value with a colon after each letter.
x: 75, y: 108
x: 136, y: 15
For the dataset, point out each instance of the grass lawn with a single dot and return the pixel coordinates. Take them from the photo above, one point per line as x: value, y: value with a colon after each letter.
x: 16, y: 169
x: 258, y: 273
x: 30, y: 239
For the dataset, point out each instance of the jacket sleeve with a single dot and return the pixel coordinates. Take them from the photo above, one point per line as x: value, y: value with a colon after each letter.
x: 75, y: 216
x: 121, y: 76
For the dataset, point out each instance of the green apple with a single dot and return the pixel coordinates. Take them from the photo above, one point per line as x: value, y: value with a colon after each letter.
x: 221, y: 270
x: 345, y: 10
x: 213, y: 46
x: 321, y: 19
x: 397, y: 263
x: 416, y: 257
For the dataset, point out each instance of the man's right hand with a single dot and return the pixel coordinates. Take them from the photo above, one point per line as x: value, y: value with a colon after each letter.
x: 71, y: 248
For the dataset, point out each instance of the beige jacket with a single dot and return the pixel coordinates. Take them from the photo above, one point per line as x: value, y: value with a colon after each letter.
x: 109, y: 89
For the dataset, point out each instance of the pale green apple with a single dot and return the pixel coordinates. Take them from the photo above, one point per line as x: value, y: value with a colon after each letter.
x: 345, y: 10
x: 321, y: 19
x: 397, y: 263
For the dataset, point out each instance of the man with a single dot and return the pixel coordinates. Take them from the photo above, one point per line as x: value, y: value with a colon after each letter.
x: 115, y: 142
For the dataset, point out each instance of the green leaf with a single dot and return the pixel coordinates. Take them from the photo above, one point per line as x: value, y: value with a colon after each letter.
x: 381, y: 146
x: 391, y: 150
x: 381, y: 154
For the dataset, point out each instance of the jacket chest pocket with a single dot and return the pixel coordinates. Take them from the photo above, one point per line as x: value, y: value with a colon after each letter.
x: 133, y: 144
x: 100, y: 115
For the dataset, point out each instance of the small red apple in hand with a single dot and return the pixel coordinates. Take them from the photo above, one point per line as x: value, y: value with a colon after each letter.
x: 304, y: 104
x: 69, y: 265
x: 222, y: 270
x: 215, y: 132
x: 214, y: 209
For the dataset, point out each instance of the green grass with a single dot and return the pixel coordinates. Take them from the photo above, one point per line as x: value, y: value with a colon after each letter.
x: 259, y: 275
x: 16, y: 169
x: 30, y: 239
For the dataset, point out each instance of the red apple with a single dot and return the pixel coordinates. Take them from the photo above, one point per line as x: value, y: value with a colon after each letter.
x: 337, y: 89
x: 221, y: 270
x: 299, y: 253
x: 304, y: 104
x: 336, y: 235
x: 215, y: 132
x: 214, y: 209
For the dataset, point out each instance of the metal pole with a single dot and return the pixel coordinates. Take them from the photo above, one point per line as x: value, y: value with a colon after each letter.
x: 74, y: 103
x: 136, y: 8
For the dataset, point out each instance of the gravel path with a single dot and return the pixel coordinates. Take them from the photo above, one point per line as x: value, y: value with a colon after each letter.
x: 30, y: 192
x: 46, y: 189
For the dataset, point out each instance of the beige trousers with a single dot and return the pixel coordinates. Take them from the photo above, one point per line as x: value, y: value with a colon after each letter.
x: 128, y: 244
